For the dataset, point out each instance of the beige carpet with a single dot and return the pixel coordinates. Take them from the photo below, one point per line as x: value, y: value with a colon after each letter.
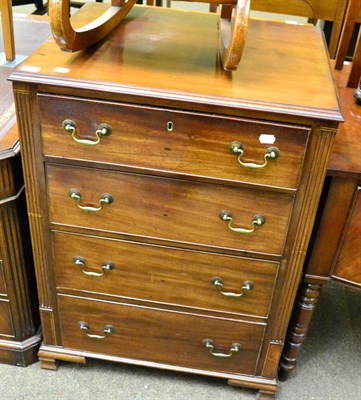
x: 329, y: 369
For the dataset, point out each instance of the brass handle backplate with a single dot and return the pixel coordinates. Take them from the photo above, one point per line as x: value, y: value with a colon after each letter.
x: 80, y: 262
x: 270, y: 154
x: 105, y: 198
x: 108, y: 329
x: 257, y: 220
x: 234, y: 349
x: 102, y: 130
x: 245, y: 287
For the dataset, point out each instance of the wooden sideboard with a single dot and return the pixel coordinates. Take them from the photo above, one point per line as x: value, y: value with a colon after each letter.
x: 171, y: 202
x: 335, y: 251
x: 19, y: 319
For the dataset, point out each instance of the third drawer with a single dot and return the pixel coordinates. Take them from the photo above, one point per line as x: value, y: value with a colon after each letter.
x: 158, y: 274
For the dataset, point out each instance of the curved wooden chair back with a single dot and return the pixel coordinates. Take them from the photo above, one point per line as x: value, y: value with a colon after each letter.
x: 232, y: 31
x: 328, y: 10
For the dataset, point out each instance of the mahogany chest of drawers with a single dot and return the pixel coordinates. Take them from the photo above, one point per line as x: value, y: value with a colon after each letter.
x: 171, y: 202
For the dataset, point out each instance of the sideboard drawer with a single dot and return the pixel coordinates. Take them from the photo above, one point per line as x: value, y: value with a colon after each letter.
x: 162, y: 274
x: 169, y: 209
x: 180, y: 142
x: 159, y: 336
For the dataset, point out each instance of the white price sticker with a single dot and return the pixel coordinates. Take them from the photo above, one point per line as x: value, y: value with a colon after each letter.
x: 267, y: 138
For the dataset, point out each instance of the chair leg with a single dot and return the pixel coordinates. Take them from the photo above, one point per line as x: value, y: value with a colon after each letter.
x: 355, y: 73
x: 8, y: 29
x: 353, y: 11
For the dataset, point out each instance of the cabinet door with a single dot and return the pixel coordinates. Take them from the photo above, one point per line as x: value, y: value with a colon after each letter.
x: 348, y: 263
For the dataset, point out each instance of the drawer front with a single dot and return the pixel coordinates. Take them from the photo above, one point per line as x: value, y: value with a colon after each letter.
x: 166, y: 275
x: 166, y: 140
x: 348, y: 264
x: 159, y: 336
x: 169, y: 209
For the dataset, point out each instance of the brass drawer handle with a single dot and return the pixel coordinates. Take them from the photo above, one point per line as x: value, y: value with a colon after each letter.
x: 270, y: 154
x: 80, y: 262
x: 246, y: 286
x: 234, y: 349
x: 257, y: 220
x: 108, y: 329
x: 102, y: 130
x: 105, y: 198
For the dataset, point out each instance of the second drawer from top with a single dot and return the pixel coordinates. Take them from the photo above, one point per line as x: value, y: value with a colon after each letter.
x: 169, y: 209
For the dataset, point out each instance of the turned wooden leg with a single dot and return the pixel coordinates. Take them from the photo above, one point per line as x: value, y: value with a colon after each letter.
x: 307, y: 299
x: 263, y: 395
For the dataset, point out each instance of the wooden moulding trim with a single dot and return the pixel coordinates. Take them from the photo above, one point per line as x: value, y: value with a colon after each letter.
x: 15, y: 272
x: 29, y: 158
x: 24, y: 345
x: 346, y: 281
x: 288, y: 109
x: 316, y: 280
x: 310, y: 200
x: 11, y: 152
x: 270, y: 366
x: 155, y: 172
x: 164, y: 242
x: 7, y: 181
x: 48, y: 325
x: 44, y: 355
x: 256, y: 383
x: 12, y: 198
x: 49, y: 352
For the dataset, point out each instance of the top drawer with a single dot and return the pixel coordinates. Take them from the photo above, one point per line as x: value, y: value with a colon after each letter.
x: 167, y: 140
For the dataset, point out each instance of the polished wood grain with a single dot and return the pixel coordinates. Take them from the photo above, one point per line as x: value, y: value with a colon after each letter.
x: 169, y: 209
x: 158, y: 336
x: 141, y: 138
x: 330, y: 10
x: 345, y: 158
x: 167, y: 275
x: 99, y: 21
x: 269, y: 80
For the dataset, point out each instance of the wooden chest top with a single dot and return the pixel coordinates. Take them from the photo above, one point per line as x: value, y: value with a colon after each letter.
x: 284, y: 68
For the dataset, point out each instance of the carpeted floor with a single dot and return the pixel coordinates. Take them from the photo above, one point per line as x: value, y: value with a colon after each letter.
x: 329, y: 368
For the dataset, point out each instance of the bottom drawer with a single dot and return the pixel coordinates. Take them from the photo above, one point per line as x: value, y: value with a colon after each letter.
x: 160, y: 336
